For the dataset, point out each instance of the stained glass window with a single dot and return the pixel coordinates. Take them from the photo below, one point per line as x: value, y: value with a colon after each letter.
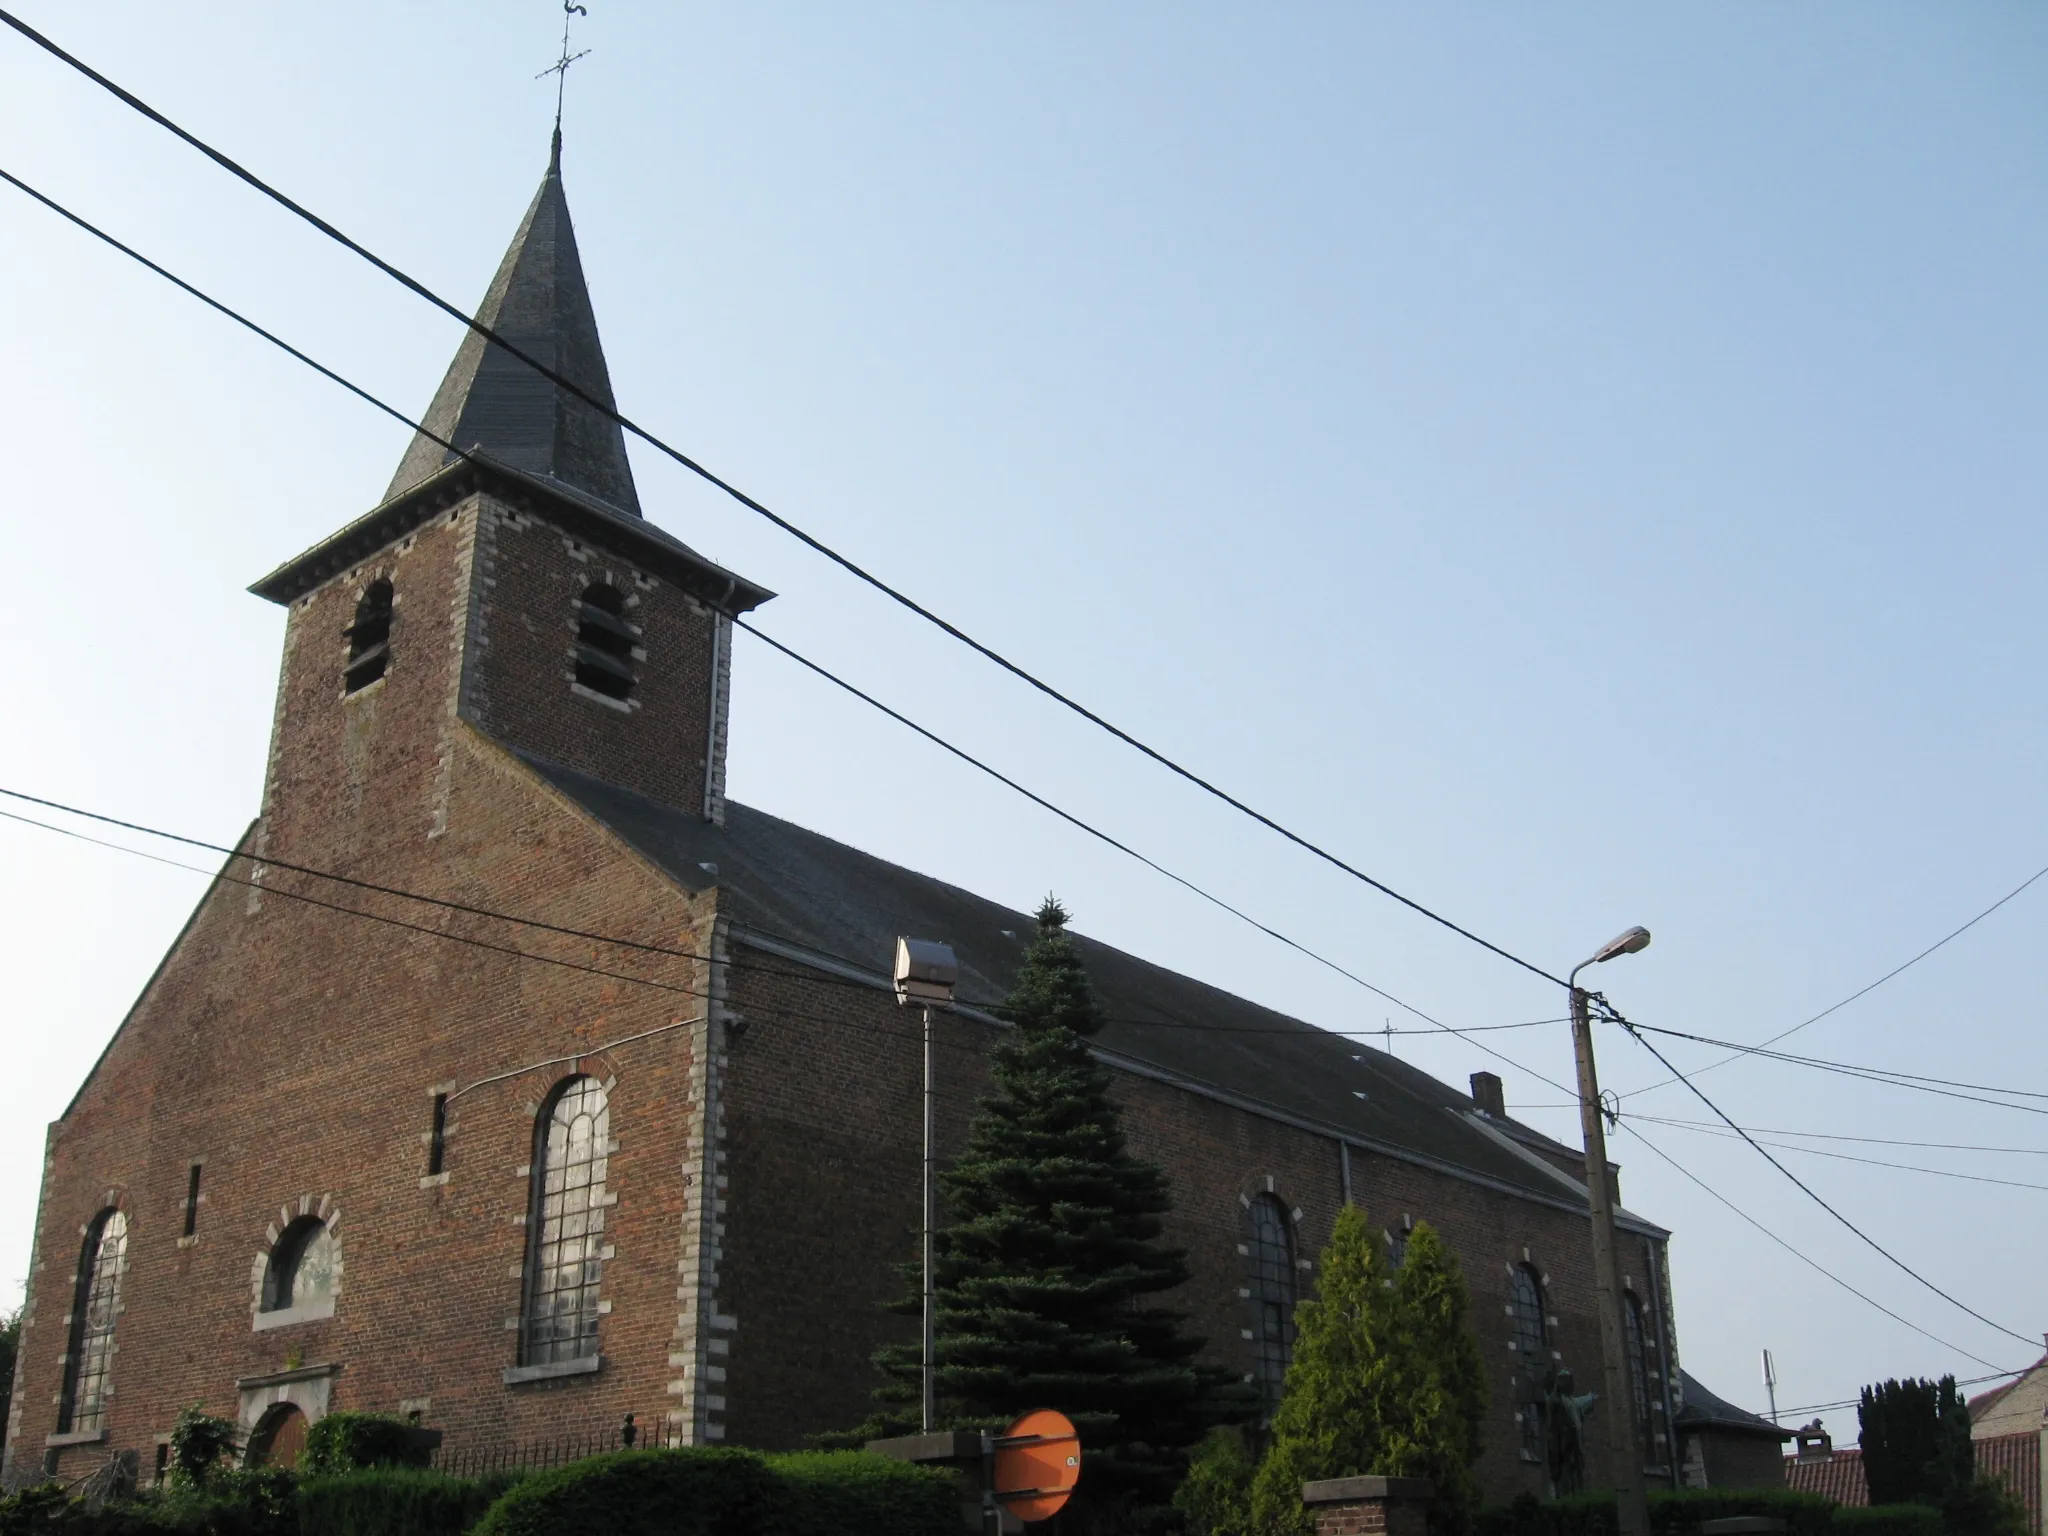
x: 565, y: 1229
x: 1270, y: 1267
x: 98, y: 1305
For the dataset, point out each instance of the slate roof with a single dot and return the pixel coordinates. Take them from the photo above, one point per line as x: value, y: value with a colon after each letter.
x: 2015, y: 1460
x: 799, y: 892
x: 1700, y: 1409
x: 490, y: 399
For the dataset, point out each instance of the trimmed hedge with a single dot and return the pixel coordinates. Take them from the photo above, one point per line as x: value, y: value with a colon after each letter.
x: 1671, y: 1514
x: 397, y: 1501
x: 701, y: 1491
x: 348, y: 1442
x: 711, y: 1491
x: 1890, y: 1520
x: 853, y: 1493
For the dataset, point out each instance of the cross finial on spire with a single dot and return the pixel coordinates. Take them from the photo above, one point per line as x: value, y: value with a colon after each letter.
x: 560, y: 70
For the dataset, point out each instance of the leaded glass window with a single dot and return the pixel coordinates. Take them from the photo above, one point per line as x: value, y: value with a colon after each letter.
x: 565, y: 1229
x: 1638, y: 1371
x: 93, y: 1314
x: 1270, y: 1267
x: 1532, y: 1347
x: 303, y: 1266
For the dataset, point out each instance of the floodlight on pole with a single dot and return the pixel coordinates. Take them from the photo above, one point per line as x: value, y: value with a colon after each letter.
x: 926, y: 973
x: 1625, y: 1455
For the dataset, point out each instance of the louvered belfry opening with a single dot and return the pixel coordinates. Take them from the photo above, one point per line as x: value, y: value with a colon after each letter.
x: 604, y: 642
x: 369, y: 639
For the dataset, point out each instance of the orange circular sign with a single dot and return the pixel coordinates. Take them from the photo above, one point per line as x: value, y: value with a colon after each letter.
x: 1038, y: 1461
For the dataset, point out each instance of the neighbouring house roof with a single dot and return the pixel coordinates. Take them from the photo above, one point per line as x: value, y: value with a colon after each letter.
x: 1700, y: 1409
x: 1838, y: 1477
x: 801, y: 894
x: 2015, y: 1460
x: 492, y: 400
x: 2016, y: 1406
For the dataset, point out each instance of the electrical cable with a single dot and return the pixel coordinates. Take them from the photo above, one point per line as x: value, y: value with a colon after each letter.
x: 1875, y: 1141
x: 1812, y: 1264
x: 390, y: 410
x: 1740, y: 1051
x: 818, y: 546
x: 1615, y: 1016
x: 1970, y: 1381
x: 1849, y: 1157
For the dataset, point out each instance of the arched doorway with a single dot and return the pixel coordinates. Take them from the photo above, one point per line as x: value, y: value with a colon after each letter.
x: 279, y: 1437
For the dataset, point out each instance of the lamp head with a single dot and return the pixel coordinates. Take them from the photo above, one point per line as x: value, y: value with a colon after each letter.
x: 925, y: 973
x: 1634, y: 941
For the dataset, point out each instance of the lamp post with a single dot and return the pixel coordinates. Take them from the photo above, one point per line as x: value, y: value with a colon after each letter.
x: 925, y: 975
x: 1631, y: 1501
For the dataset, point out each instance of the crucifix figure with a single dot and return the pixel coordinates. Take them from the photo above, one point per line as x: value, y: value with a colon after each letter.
x: 560, y: 68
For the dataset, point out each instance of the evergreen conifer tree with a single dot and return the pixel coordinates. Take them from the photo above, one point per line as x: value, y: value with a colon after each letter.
x: 1046, y: 1273
x: 1385, y: 1380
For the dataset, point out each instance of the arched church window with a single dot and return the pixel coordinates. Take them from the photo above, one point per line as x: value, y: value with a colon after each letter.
x: 1532, y: 1346
x: 303, y: 1267
x: 1638, y: 1371
x: 369, y: 639
x: 565, y: 1225
x: 1270, y: 1262
x: 604, y: 642
x: 95, y: 1307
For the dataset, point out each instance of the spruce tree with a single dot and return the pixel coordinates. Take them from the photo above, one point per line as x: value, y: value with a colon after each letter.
x: 1047, y: 1270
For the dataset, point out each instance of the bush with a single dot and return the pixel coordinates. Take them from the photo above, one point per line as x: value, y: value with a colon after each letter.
x: 349, y: 1442
x: 700, y: 1491
x: 1889, y: 1520
x: 1215, y: 1498
x: 851, y: 1493
x: 1671, y: 1514
x: 397, y: 1501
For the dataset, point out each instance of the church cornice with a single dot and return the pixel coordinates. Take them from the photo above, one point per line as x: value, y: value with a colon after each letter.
x: 633, y: 538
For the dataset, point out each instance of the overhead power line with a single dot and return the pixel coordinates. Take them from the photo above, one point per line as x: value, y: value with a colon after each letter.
x: 817, y: 545
x: 1636, y: 1033
x: 1848, y: 1157
x: 1852, y: 1402
x: 1740, y: 1051
x: 390, y: 410
x: 1813, y: 1264
x: 1874, y: 1141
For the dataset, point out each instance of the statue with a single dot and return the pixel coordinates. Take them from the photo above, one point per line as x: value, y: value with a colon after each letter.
x: 1564, y: 1424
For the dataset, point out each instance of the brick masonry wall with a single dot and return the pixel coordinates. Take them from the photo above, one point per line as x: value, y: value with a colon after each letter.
x: 295, y: 1051
x: 822, y: 1105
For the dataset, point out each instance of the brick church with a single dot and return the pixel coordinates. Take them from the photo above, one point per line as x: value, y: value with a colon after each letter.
x: 582, y: 1092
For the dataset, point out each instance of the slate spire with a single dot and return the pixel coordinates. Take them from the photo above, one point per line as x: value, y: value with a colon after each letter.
x: 493, y: 401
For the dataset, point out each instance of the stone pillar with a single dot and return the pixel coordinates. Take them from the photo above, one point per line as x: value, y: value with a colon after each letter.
x: 1368, y: 1506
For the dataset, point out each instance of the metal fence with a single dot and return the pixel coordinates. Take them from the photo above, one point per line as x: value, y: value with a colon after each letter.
x: 636, y: 1432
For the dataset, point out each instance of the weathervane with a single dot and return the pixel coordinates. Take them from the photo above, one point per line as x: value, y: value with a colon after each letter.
x: 560, y: 68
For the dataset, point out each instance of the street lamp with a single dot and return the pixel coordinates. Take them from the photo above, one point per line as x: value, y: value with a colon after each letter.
x: 1631, y: 1502
x: 925, y: 975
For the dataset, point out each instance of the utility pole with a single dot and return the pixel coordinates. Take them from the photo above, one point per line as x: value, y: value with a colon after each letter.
x: 1624, y: 1454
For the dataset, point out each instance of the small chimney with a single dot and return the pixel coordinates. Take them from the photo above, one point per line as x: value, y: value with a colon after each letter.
x: 1813, y: 1443
x: 1487, y: 1097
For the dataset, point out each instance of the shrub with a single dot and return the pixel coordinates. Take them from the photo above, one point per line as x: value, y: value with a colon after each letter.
x: 1889, y: 1520
x: 851, y: 1493
x: 1671, y: 1513
x: 200, y: 1444
x: 700, y: 1491
x: 349, y: 1442
x: 1215, y: 1498
x: 397, y: 1501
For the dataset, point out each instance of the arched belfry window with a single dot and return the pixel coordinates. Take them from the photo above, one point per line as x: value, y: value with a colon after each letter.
x: 369, y: 639
x: 565, y: 1225
x: 303, y: 1269
x: 1638, y: 1372
x: 1269, y: 1265
x: 96, y: 1305
x: 1532, y: 1350
x: 605, y: 642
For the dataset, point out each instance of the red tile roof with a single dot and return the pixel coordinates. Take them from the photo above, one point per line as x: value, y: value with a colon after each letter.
x: 2015, y: 1460
x: 1839, y: 1477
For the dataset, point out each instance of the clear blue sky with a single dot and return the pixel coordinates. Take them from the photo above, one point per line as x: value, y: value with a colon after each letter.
x: 1583, y: 463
